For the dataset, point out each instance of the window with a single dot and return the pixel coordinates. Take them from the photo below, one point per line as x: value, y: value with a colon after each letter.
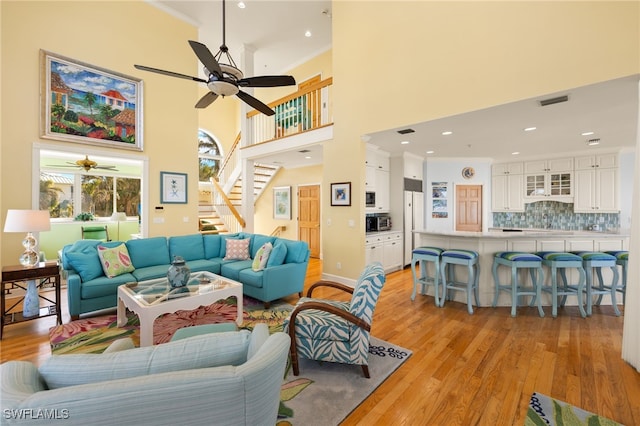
x: 209, y: 156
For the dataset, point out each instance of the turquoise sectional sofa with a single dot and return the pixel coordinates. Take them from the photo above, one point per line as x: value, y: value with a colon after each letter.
x: 89, y: 289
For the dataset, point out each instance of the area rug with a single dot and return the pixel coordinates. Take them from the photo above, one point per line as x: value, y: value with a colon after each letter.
x: 325, y: 393
x: 546, y: 411
x: 95, y: 334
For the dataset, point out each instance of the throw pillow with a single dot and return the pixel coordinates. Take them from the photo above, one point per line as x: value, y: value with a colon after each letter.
x: 115, y: 260
x: 237, y: 249
x: 87, y: 265
x: 262, y: 255
x: 278, y: 254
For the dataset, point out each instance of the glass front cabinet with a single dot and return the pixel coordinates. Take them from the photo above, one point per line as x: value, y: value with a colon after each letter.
x: 549, y: 179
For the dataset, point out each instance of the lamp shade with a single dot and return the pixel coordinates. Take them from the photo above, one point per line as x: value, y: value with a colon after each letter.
x: 27, y: 221
x: 118, y: 217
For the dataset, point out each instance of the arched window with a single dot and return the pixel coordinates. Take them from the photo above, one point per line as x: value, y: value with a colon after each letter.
x: 209, y: 156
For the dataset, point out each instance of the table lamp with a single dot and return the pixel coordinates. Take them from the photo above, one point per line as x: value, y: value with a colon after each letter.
x: 29, y: 221
x: 118, y: 217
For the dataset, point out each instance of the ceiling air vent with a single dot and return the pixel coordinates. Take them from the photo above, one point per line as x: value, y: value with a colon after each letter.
x: 304, y: 151
x: 405, y: 131
x: 552, y: 101
x: 593, y: 142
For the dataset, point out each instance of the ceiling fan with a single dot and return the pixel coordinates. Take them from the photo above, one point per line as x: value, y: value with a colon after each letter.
x: 85, y: 164
x: 225, y: 79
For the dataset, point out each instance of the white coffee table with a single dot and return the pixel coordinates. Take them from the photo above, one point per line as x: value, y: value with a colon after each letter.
x: 150, y: 299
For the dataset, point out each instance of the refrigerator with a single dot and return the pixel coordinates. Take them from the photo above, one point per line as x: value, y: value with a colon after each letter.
x: 413, y: 215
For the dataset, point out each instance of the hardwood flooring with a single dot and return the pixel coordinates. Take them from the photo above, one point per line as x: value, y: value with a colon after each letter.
x: 465, y: 369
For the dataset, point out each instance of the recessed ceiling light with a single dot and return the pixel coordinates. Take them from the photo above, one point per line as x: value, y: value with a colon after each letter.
x: 530, y: 129
x: 404, y: 143
x: 308, y: 157
x: 586, y: 133
x: 307, y: 33
x: 430, y: 152
x: 447, y: 133
x: 241, y: 5
x: 515, y: 153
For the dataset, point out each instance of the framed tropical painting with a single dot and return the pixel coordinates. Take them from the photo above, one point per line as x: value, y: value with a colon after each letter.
x: 88, y: 104
x: 282, y: 202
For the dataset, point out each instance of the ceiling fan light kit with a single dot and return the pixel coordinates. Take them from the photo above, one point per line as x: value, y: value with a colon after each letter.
x: 225, y: 79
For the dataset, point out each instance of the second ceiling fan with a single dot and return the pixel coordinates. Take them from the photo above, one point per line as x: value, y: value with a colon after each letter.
x: 225, y: 79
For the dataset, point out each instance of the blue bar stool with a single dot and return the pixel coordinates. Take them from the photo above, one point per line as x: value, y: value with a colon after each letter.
x: 622, y: 259
x: 597, y: 260
x: 468, y: 258
x: 423, y: 255
x: 558, y: 262
x: 518, y: 260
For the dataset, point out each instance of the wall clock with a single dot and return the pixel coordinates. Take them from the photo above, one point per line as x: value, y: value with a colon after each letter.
x: 468, y: 172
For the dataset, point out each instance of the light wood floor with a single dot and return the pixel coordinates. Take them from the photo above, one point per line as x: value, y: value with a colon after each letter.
x: 465, y: 369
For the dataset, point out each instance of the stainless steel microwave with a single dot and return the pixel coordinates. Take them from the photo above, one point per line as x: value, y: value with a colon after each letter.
x: 384, y: 223
x: 370, y: 199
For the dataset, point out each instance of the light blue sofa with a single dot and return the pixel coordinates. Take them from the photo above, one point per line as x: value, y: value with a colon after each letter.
x: 88, y: 288
x: 231, y: 378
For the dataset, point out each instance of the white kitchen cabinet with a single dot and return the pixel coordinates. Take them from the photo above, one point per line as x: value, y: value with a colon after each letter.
x: 603, y: 161
x: 374, y: 249
x: 549, y: 186
x: 412, y: 166
x: 386, y: 248
x: 507, y: 169
x: 507, y: 193
x: 370, y: 178
x: 554, y: 165
x: 382, y: 191
x: 377, y: 159
x: 596, y: 191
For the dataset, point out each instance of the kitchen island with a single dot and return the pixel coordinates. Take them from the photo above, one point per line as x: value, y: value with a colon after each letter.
x: 526, y: 240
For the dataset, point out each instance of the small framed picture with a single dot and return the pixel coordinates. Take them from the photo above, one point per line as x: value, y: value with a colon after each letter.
x: 173, y: 188
x: 282, y: 202
x: 341, y: 194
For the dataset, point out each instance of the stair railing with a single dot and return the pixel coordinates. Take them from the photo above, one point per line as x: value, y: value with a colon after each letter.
x: 302, y: 111
x: 230, y: 162
x: 228, y: 213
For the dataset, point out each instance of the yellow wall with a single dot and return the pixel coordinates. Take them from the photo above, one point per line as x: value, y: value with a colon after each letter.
x: 264, y: 223
x: 111, y: 35
x: 397, y: 63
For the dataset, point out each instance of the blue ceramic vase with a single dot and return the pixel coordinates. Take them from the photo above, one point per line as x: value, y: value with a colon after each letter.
x: 179, y: 272
x: 31, y: 303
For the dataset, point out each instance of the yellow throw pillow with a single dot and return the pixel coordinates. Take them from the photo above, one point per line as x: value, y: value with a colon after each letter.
x: 115, y: 261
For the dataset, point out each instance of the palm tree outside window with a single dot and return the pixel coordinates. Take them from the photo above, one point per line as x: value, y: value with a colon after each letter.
x: 209, y: 156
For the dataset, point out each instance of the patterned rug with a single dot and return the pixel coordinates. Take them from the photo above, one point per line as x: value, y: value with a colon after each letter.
x: 323, y: 394
x: 94, y: 335
x: 546, y: 411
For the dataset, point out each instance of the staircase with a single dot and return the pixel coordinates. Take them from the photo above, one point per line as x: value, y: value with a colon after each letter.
x: 262, y: 175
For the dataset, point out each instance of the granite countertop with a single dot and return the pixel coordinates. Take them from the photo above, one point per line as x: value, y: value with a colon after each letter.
x: 527, y: 233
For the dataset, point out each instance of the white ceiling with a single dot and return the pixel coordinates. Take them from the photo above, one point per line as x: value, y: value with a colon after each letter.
x: 276, y: 30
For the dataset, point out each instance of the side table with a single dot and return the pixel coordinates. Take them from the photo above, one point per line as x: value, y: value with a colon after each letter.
x: 44, y: 272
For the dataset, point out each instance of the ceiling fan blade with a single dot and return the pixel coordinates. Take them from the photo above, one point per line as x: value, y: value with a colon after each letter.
x: 255, y: 103
x: 267, y: 81
x: 206, y: 100
x: 169, y: 73
x: 106, y: 168
x: 62, y: 165
x: 206, y: 57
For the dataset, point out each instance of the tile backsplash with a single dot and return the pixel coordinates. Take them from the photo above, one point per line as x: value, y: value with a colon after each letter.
x: 555, y: 215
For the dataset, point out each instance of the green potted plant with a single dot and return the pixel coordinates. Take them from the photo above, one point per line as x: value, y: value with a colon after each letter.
x: 85, y: 217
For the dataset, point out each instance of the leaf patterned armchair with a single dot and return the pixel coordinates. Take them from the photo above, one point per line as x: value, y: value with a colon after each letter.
x: 336, y: 331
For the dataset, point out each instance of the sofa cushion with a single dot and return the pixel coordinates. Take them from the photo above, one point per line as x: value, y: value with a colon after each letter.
x: 211, y: 246
x: 223, y: 242
x: 211, y: 265
x: 297, y: 251
x: 103, y: 286
x: 232, y: 270
x: 208, y: 350
x: 115, y: 260
x: 237, y: 249
x: 149, y: 252
x: 189, y: 247
x: 278, y: 254
x: 258, y: 241
x: 251, y: 278
x: 82, y: 256
x: 151, y: 272
x: 261, y: 257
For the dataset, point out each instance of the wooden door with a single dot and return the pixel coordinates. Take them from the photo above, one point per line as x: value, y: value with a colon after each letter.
x: 468, y: 208
x: 309, y: 217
